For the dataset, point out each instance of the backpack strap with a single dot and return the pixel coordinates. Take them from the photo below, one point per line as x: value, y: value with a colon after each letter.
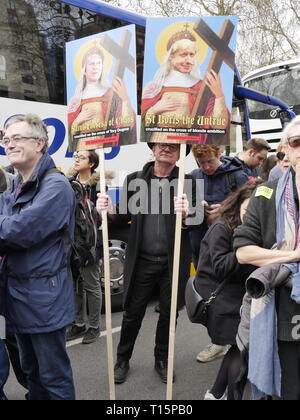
x: 69, y: 244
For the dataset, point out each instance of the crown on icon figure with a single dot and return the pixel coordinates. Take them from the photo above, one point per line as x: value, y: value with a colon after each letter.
x: 96, y: 48
x: 185, y: 34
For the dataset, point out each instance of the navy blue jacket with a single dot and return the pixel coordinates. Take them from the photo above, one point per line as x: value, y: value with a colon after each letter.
x: 217, y: 186
x: 227, y: 178
x: 39, y: 295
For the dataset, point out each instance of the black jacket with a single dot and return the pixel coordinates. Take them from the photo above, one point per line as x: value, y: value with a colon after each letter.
x: 259, y: 228
x: 136, y: 234
x: 227, y: 178
x: 218, y: 262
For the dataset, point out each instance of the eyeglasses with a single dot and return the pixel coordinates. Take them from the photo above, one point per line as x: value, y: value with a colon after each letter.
x: 17, y: 139
x: 171, y: 147
x: 78, y: 157
x: 294, y: 141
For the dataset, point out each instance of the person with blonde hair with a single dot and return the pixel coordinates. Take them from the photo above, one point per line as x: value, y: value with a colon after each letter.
x: 282, y: 165
x: 173, y: 92
x: 88, y: 108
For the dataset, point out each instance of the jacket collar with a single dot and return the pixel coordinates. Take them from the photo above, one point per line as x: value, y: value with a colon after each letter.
x: 92, y: 181
x: 30, y: 187
x: 148, y: 172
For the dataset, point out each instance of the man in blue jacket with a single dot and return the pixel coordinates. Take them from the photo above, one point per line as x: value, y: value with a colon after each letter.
x: 221, y: 176
x: 39, y: 298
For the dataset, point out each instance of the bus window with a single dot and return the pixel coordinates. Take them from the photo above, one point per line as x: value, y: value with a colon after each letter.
x: 2, y: 68
x: 284, y: 84
x: 282, y: 81
x: 35, y: 34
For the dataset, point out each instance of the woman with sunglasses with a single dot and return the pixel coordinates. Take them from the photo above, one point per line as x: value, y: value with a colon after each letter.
x: 282, y: 165
x: 270, y: 234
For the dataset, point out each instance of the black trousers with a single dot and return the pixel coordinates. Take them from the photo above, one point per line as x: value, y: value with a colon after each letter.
x: 289, y: 354
x: 147, y: 276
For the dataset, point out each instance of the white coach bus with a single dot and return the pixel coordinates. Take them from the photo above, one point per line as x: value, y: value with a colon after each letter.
x: 33, y: 34
x: 280, y: 80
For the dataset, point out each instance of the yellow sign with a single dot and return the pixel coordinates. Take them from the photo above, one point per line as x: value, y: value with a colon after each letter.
x: 264, y: 192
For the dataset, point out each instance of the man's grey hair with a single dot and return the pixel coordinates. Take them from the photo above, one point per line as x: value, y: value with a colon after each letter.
x: 287, y: 129
x: 37, y: 126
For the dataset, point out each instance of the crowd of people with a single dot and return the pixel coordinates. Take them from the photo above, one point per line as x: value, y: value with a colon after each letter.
x: 248, y: 241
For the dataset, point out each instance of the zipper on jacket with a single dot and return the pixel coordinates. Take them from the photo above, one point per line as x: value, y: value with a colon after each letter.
x: 158, y: 222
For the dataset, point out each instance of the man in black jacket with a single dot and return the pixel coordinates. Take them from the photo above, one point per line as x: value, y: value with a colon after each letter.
x: 255, y: 240
x: 149, y: 257
x: 255, y: 152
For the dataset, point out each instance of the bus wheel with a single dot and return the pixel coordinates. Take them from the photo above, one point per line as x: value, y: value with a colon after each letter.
x: 117, y: 249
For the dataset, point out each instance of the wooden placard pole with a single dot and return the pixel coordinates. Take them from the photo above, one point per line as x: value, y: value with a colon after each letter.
x: 175, y: 279
x: 108, y: 317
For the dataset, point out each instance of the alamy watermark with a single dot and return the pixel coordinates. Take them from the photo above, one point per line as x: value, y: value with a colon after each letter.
x: 155, y: 197
x: 2, y: 327
x: 296, y: 329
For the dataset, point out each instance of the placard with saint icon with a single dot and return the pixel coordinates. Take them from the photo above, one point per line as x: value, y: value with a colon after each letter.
x: 101, y: 90
x: 188, y: 80
x: 102, y: 104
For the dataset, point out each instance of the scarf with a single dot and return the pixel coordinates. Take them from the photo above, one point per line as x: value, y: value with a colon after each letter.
x: 264, y: 362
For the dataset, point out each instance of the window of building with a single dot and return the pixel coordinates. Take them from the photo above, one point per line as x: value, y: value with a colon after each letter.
x: 23, y: 65
x: 12, y: 16
x: 2, y: 68
x: 27, y: 79
x: 10, y: 4
x: 4, y: 93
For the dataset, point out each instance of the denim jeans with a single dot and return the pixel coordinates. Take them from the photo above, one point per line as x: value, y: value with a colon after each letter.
x: 45, y: 362
x: 4, y: 368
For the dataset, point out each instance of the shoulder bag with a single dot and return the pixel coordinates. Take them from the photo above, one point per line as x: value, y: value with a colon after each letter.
x: 196, y: 306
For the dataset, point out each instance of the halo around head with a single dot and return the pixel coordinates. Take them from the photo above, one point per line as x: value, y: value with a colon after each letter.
x: 90, y: 45
x: 171, y: 32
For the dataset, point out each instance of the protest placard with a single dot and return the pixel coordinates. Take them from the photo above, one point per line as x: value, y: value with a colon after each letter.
x: 102, y: 103
x: 101, y: 90
x: 187, y: 95
x: 181, y: 106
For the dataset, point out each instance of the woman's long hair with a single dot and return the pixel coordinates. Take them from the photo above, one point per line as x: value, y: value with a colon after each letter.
x: 231, y: 206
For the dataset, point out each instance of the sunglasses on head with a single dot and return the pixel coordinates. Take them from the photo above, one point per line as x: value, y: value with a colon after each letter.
x: 280, y: 155
x: 294, y: 141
